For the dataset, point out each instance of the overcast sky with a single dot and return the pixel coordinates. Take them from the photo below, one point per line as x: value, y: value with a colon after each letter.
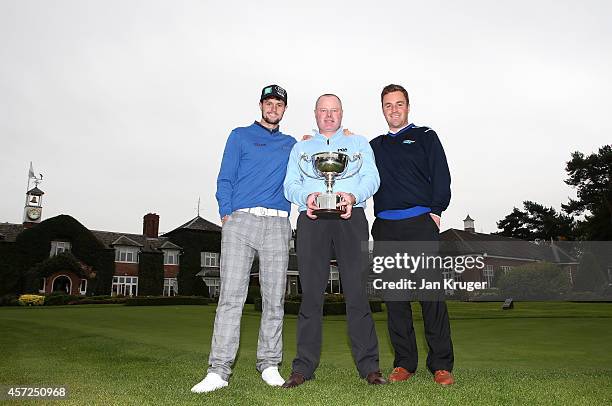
x: 125, y: 106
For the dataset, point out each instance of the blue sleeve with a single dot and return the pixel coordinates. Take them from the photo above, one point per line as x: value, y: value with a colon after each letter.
x: 227, y: 174
x: 294, y: 181
x: 369, y: 178
x: 440, y: 176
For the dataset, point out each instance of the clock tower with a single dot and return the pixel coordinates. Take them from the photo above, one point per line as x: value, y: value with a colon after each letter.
x: 32, y: 212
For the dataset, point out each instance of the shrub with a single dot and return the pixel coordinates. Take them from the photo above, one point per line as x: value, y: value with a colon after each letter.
x: 537, y: 281
x: 376, y: 306
x: 31, y: 300
x: 165, y: 300
x: 110, y: 300
x: 333, y: 304
x: 590, y: 276
x: 253, y: 293
x: 59, y: 298
x: 9, y: 300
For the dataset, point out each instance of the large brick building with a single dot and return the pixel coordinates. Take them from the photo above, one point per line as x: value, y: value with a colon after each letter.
x: 103, y: 262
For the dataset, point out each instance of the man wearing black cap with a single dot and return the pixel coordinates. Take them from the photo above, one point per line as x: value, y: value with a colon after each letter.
x: 255, y: 218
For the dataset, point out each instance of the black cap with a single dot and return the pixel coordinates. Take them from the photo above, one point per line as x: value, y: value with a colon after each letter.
x: 273, y: 91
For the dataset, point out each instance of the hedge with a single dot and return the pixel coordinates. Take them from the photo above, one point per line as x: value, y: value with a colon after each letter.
x: 333, y: 305
x: 113, y: 300
x: 58, y: 299
x: 166, y: 300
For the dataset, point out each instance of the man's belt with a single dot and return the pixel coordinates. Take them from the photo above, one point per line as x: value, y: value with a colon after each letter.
x: 264, y: 211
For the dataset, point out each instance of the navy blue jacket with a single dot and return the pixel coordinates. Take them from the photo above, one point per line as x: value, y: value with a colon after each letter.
x: 413, y: 171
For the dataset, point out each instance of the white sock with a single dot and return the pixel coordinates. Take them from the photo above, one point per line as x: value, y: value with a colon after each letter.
x: 210, y: 383
x: 271, y: 376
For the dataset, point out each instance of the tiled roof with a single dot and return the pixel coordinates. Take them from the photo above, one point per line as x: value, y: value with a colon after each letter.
x: 111, y: 238
x: 124, y: 240
x: 169, y: 246
x: 35, y: 191
x: 455, y: 242
x: 197, y: 223
x: 9, y: 231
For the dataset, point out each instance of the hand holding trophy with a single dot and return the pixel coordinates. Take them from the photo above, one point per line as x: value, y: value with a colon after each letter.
x: 330, y: 166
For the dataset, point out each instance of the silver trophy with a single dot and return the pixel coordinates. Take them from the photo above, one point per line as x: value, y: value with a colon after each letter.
x: 330, y: 166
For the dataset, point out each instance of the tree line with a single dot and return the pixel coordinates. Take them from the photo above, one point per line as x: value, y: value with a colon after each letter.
x: 586, y: 218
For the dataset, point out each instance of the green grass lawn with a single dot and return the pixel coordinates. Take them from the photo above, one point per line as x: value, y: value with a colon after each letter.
x: 537, y: 353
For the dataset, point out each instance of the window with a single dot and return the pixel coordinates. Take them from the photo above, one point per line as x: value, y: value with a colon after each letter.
x: 83, y: 287
x: 171, y: 257
x: 57, y: 247
x: 210, y: 259
x: 126, y: 254
x: 214, y: 285
x: 170, y: 287
x: 333, y: 283
x: 487, y: 275
x: 505, y: 268
x: 125, y: 285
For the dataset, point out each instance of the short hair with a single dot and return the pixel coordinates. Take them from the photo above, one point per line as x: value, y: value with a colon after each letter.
x: 327, y: 95
x: 394, y: 88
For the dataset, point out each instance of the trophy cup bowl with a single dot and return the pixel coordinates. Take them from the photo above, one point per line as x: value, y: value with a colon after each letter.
x: 330, y: 166
x: 330, y: 163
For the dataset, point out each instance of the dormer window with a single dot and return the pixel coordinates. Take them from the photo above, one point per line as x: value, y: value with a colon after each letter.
x: 126, y: 254
x: 57, y: 247
x: 171, y: 257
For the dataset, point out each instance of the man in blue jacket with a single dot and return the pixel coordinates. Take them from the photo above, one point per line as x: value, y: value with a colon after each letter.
x: 317, y: 237
x: 254, y: 214
x: 414, y: 191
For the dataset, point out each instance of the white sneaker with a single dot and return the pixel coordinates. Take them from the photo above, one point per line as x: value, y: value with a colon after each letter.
x: 210, y: 383
x: 271, y: 376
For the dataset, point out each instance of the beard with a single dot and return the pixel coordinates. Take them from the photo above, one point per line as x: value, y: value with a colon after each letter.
x: 271, y: 122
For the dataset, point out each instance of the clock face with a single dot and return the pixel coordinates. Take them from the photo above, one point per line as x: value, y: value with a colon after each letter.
x: 34, y: 213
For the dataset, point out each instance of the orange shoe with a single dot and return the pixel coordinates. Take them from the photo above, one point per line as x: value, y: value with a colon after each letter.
x: 400, y: 374
x: 444, y: 377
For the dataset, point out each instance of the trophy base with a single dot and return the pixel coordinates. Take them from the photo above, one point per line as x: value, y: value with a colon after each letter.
x: 328, y: 213
x: 328, y: 203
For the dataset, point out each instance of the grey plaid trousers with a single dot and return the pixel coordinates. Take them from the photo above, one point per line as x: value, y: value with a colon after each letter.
x: 242, y: 235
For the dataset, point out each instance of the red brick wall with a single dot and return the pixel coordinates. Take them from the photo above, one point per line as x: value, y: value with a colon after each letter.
x: 76, y: 282
x: 126, y: 269
x: 170, y: 271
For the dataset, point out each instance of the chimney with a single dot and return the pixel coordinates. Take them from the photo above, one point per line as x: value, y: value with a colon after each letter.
x: 150, y: 225
x: 468, y: 224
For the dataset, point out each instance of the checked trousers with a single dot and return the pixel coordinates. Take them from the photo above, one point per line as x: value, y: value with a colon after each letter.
x: 243, y: 235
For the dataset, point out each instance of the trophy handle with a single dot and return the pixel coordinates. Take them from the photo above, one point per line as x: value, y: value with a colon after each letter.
x: 305, y: 157
x: 356, y: 157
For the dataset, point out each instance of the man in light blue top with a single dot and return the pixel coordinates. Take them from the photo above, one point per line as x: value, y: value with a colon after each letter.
x: 317, y: 237
x: 254, y: 214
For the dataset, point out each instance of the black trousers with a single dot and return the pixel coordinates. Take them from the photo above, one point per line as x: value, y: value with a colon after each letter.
x: 315, y: 241
x: 399, y: 313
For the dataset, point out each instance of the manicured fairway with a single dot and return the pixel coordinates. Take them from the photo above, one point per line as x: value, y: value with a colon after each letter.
x: 538, y: 353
